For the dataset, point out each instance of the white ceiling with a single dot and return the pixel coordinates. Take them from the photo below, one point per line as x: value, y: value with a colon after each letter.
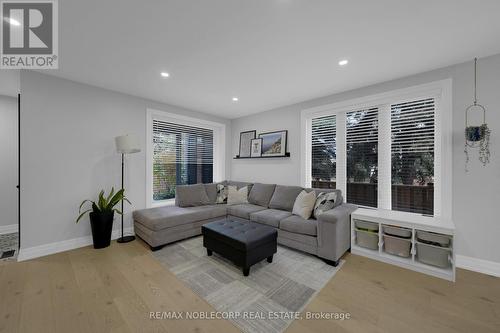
x: 269, y: 53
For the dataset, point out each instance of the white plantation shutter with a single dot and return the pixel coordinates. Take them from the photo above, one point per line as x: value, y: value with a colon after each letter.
x: 362, y: 156
x: 362, y: 126
x: 323, y: 152
x: 412, y: 155
x: 390, y: 150
x: 181, y: 155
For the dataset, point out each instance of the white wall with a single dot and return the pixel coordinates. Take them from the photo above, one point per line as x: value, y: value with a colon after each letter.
x: 68, y: 153
x: 475, y: 195
x: 9, y: 82
x: 8, y: 161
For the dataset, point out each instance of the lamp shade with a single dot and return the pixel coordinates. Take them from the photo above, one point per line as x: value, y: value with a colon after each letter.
x: 127, y: 144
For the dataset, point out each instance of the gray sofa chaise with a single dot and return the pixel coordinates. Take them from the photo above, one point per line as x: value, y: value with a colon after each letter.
x: 328, y: 236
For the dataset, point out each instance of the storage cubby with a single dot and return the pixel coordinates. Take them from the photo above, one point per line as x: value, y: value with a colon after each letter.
x: 433, y: 249
x: 367, y: 234
x: 416, y: 242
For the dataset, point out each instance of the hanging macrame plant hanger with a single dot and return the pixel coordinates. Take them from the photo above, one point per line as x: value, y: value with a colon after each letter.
x: 477, y: 136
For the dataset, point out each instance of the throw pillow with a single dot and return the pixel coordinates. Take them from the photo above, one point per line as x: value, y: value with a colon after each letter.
x: 324, y: 202
x: 211, y: 190
x: 236, y: 196
x: 304, y: 204
x: 221, y: 194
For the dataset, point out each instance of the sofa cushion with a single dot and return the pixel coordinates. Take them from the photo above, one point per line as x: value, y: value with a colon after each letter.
x: 222, y: 191
x: 304, y: 204
x: 261, y: 194
x: 238, y: 184
x: 270, y: 217
x: 243, y: 210
x: 325, y: 202
x: 211, y: 190
x: 191, y: 195
x: 170, y: 216
x: 340, y: 198
x: 298, y: 225
x: 284, y: 197
x: 236, y: 197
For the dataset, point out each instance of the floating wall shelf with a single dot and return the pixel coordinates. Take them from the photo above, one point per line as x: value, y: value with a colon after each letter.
x: 237, y: 157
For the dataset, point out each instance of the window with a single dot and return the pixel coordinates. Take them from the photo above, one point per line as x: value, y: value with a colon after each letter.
x: 362, y: 156
x: 412, y: 156
x: 323, y: 153
x: 389, y: 151
x: 181, y: 150
x: 181, y: 155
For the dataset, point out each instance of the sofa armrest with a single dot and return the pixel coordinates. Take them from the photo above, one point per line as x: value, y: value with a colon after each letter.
x: 338, y: 213
x: 334, y: 232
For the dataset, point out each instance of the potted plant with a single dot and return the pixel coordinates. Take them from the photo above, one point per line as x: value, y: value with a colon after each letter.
x: 101, y: 216
x: 474, y: 133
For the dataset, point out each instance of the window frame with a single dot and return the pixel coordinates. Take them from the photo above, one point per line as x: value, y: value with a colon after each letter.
x: 219, y: 154
x: 441, y: 91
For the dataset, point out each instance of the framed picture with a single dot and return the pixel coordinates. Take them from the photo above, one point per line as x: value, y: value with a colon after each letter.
x: 256, y: 148
x: 274, y: 143
x: 245, y: 142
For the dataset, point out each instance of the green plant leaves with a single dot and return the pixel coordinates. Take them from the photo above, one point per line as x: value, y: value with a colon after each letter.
x: 81, y: 205
x: 116, y: 198
x: 104, y: 203
x: 82, y: 214
x: 108, y: 199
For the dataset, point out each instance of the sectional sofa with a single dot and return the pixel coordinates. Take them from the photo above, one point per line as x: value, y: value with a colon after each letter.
x: 327, y: 237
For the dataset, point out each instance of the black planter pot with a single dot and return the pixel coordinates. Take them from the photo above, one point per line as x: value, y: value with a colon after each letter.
x: 102, y: 225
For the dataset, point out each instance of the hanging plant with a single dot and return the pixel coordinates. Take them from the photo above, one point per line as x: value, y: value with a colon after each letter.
x: 473, y: 133
x: 484, y: 145
x: 477, y: 136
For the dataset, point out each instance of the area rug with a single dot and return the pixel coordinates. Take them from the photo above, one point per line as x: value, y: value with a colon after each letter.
x: 265, y: 300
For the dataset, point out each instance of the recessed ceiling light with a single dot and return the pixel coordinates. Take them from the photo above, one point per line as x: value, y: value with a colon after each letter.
x: 235, y: 99
x: 343, y: 62
x: 12, y: 21
x: 165, y: 74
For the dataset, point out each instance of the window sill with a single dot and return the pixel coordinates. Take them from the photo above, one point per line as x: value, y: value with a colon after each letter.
x: 162, y: 203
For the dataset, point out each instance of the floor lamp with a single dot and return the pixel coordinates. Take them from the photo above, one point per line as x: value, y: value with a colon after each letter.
x: 126, y: 144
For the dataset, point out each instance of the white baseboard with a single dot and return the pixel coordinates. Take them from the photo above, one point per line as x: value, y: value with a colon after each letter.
x: 478, y: 265
x: 66, y: 245
x: 8, y: 229
x: 469, y: 263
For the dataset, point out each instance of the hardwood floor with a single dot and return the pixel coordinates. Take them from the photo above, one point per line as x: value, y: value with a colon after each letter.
x: 87, y: 290
x: 386, y: 298
x: 114, y: 290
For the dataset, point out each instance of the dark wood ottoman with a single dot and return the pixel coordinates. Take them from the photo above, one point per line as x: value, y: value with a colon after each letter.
x: 244, y: 243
